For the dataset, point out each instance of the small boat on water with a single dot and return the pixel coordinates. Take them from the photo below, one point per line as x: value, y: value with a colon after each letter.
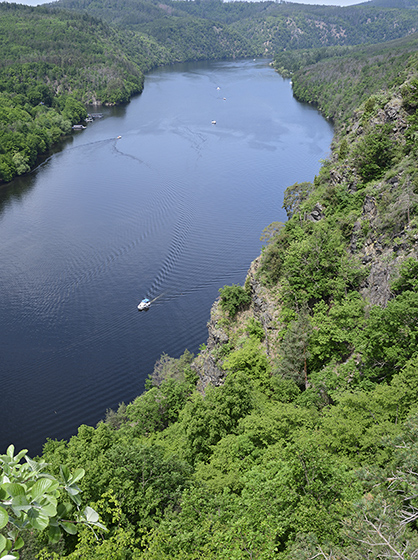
x: 144, y: 304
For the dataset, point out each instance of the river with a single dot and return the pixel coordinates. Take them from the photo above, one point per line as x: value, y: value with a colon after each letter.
x: 173, y: 210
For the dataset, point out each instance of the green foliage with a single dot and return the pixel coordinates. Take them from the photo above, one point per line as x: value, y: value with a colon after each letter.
x: 74, y: 111
x: 382, y: 524
x: 342, y: 78
x: 116, y: 419
x: 255, y: 328
x: 251, y: 361
x: 374, y: 154
x: 234, y: 298
x: 31, y: 497
x: 356, y: 427
x: 409, y: 93
x: 336, y: 330
x: 390, y: 336
x: 294, y: 353
x: 168, y: 389
x: 158, y: 407
x: 206, y: 420
x: 408, y: 277
x: 171, y: 368
x: 317, y: 267
x: 147, y: 482
x: 271, y: 264
x: 271, y: 232
x: 294, y: 196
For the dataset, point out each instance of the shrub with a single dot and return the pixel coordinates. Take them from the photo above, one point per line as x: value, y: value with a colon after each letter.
x: 234, y: 298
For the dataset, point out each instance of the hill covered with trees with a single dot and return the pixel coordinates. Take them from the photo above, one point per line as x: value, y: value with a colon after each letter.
x: 51, y: 64
x: 264, y: 27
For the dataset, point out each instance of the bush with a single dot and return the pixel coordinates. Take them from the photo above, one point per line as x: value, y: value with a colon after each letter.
x: 234, y: 298
x: 375, y: 153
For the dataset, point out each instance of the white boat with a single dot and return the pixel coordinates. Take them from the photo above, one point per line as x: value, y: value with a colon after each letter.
x: 213, y: 122
x: 144, y: 304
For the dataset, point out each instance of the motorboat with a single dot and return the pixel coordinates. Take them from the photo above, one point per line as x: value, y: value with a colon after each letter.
x: 144, y: 304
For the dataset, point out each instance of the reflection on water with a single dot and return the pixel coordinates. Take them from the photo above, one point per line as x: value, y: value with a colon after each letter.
x: 173, y: 209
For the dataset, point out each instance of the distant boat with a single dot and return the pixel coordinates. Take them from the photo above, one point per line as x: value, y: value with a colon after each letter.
x: 78, y: 127
x: 118, y: 137
x: 144, y: 304
x: 213, y: 122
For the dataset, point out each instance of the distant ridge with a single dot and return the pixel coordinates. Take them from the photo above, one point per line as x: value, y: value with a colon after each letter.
x: 400, y: 4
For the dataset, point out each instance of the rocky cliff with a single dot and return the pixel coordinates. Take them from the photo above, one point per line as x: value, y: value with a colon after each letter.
x: 367, y: 193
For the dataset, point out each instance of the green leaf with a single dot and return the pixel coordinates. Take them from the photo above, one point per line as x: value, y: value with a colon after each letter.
x: 10, y: 451
x: 47, y: 500
x: 64, y: 509
x: 69, y: 527
x: 19, y: 543
x: 65, y: 473
x: 76, y: 499
x: 33, y: 464
x: 20, y: 503
x: 73, y: 490
x: 4, y: 517
x: 76, y: 476
x: 20, y: 455
x: 37, y: 520
x: 91, y: 515
x: 49, y: 509
x: 40, y: 487
x: 14, y: 489
x: 2, y: 543
x: 54, y: 534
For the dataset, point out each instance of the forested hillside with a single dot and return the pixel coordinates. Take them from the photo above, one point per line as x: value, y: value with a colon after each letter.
x: 51, y: 64
x: 265, y: 27
x: 338, y: 79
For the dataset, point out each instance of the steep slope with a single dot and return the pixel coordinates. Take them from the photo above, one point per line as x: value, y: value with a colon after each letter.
x: 338, y: 79
x: 73, y: 52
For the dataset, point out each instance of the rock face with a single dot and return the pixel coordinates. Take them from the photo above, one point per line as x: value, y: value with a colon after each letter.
x: 208, y: 365
x: 382, y: 256
x: 263, y: 308
x: 317, y: 213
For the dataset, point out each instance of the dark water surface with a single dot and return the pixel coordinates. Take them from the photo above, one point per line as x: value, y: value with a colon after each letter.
x: 174, y: 208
